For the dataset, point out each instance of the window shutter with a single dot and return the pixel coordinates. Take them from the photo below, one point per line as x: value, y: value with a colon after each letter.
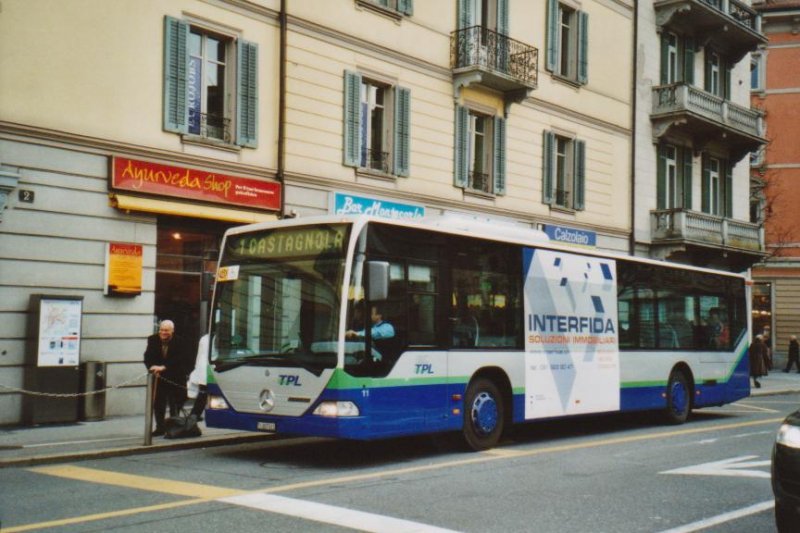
x: 706, y: 192
x: 583, y: 47
x: 687, y: 178
x: 728, y: 192
x: 551, y: 60
x: 247, y: 95
x: 465, y: 16
x: 579, y: 176
x: 502, y: 17
x: 688, y: 60
x: 176, y: 57
x: 726, y: 82
x: 461, y: 147
x: 548, y: 166
x: 499, y: 170
x: 661, y: 178
x: 664, y: 58
x: 402, y: 129
x: 707, y: 71
x: 352, y: 118
x: 405, y: 7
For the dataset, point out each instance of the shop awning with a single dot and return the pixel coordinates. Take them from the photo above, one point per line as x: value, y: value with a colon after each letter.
x: 167, y: 207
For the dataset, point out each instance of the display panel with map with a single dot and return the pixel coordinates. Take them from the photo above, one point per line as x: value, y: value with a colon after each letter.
x: 59, y: 332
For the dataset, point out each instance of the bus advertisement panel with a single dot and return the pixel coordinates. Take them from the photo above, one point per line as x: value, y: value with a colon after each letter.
x: 571, y: 343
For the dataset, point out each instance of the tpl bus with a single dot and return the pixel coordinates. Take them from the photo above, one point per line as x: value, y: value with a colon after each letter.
x: 488, y: 325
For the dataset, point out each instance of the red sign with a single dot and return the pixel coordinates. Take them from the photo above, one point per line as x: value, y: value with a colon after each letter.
x: 166, y: 180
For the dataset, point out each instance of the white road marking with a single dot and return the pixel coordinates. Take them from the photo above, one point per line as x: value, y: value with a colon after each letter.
x: 735, y: 467
x: 722, y: 518
x: 329, y: 514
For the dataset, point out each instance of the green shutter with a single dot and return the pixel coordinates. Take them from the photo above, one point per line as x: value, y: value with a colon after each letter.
x: 499, y: 170
x: 664, y: 58
x: 706, y: 192
x: 583, y: 47
x: 579, y: 176
x: 688, y: 60
x: 461, y: 162
x: 352, y: 118
x: 726, y: 81
x: 728, y: 191
x: 661, y: 178
x: 707, y: 71
x: 551, y: 57
x: 247, y: 95
x: 405, y: 7
x: 502, y: 17
x: 402, y: 130
x: 548, y: 166
x: 465, y: 16
x: 687, y: 177
x: 176, y: 59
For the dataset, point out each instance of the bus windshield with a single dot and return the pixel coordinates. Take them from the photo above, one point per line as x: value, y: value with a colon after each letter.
x: 277, y: 298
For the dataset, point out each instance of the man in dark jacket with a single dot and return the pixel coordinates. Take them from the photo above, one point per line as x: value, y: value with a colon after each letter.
x: 166, y: 356
x: 794, y: 354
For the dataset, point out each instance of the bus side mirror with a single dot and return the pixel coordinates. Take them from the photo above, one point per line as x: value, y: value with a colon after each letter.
x: 378, y: 275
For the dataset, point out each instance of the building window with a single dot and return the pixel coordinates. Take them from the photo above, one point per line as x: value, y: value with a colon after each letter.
x: 377, y: 125
x: 717, y: 75
x: 757, y: 72
x: 488, y: 14
x: 480, y: 152
x: 401, y: 7
x: 567, y: 42
x: 717, y: 187
x: 677, y: 58
x: 674, y: 175
x: 564, y: 168
x: 210, y: 84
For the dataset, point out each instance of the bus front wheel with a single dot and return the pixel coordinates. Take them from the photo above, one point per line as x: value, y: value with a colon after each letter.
x: 679, y: 398
x: 484, y: 414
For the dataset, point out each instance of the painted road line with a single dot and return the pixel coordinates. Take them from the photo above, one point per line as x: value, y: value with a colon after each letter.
x: 722, y: 518
x: 734, y: 467
x: 357, y: 478
x: 177, y: 488
x: 329, y: 514
x: 70, y: 443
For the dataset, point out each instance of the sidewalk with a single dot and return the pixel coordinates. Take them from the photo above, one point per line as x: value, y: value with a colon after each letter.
x: 117, y: 436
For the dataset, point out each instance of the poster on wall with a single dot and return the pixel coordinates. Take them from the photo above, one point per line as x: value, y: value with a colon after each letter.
x: 123, y: 274
x: 59, y: 339
x: 571, y: 334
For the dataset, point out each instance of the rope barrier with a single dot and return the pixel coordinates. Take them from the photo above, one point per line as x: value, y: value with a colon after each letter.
x: 89, y: 393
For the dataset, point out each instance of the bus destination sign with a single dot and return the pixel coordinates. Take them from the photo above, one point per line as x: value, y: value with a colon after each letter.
x: 289, y: 242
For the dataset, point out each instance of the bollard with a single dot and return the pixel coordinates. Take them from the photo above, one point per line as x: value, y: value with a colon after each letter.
x: 148, y: 411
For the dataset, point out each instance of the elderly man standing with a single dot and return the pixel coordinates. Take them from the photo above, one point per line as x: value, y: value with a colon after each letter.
x: 166, y: 357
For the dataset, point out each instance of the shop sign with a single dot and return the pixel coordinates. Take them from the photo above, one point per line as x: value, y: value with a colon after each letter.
x: 575, y: 237
x: 123, y: 275
x: 192, y: 184
x: 349, y: 204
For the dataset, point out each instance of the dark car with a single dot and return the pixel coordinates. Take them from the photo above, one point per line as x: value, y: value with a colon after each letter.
x: 786, y: 474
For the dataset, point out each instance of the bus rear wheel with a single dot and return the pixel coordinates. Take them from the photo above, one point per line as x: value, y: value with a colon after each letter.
x: 679, y: 398
x: 484, y: 414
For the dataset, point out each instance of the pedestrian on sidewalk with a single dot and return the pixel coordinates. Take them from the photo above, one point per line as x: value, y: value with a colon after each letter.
x: 196, y: 386
x: 757, y: 356
x: 166, y: 357
x: 794, y: 354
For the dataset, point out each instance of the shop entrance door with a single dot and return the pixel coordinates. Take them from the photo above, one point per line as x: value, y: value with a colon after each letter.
x: 186, y: 262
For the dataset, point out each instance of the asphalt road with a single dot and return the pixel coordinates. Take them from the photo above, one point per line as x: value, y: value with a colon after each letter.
x: 620, y: 473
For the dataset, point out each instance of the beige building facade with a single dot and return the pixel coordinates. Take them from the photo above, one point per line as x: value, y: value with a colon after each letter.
x: 162, y: 123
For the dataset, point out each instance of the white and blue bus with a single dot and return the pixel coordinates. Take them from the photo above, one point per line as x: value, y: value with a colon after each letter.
x: 489, y: 325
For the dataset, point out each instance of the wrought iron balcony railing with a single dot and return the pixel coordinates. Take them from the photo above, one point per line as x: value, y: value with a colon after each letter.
x: 485, y: 49
x: 742, y: 13
x: 376, y: 160
x: 562, y: 198
x: 686, y: 226
x: 479, y: 181
x: 210, y: 126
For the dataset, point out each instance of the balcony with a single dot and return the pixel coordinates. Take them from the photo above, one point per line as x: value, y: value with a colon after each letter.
x: 730, y: 26
x: 210, y: 126
x: 686, y: 110
x: 700, y: 234
x: 490, y: 59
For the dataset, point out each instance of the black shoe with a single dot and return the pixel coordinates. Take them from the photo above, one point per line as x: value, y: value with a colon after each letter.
x: 157, y: 432
x: 786, y: 371
x: 758, y: 385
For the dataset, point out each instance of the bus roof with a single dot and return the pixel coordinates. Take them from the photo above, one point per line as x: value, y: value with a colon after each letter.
x: 470, y: 226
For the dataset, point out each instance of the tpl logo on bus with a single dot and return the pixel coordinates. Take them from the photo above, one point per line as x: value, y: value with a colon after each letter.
x: 424, y: 368
x: 289, y: 380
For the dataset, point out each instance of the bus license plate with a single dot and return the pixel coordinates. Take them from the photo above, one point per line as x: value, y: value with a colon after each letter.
x: 266, y: 426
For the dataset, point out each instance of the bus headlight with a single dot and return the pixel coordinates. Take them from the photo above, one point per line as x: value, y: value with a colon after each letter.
x: 336, y: 409
x: 217, y: 402
x: 789, y: 435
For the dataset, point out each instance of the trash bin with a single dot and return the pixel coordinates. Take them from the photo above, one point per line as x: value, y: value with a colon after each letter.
x: 93, y: 378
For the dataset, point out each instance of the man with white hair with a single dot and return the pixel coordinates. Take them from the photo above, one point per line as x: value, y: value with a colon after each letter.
x: 166, y: 357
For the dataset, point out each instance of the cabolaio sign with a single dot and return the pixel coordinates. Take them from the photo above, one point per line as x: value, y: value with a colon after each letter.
x: 572, y: 236
x: 193, y: 184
